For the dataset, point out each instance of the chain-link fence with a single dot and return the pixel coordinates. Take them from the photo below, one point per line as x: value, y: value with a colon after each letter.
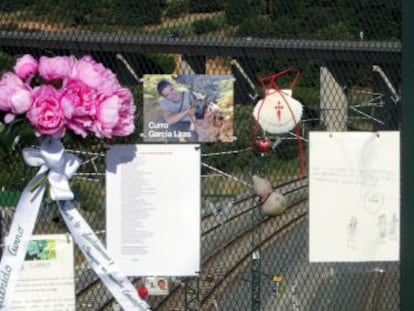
x: 342, y: 60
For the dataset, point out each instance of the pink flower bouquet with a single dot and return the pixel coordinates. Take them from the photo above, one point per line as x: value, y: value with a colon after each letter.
x: 52, y: 95
x: 62, y: 92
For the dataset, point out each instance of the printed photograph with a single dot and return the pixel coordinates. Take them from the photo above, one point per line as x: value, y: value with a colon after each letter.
x: 157, y: 286
x: 41, y: 250
x: 188, y: 108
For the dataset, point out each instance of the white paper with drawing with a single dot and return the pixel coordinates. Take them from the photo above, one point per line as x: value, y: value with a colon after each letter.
x: 354, y: 196
x: 153, y: 208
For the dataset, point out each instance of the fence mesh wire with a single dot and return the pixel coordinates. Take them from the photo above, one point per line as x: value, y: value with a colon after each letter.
x: 348, y: 55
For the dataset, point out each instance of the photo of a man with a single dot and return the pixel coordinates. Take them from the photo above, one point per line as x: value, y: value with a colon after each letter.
x: 162, y: 284
x: 177, y: 112
x: 188, y: 108
x: 157, y: 286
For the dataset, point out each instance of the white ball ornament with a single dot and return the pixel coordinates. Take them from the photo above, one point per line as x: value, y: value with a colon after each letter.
x: 275, y: 204
x: 261, y: 186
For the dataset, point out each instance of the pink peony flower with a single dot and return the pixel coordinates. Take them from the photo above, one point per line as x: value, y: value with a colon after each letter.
x: 78, y: 103
x: 125, y: 125
x: 46, y: 113
x: 81, y: 95
x: 114, y: 114
x: 94, y: 74
x: 15, y: 96
x: 25, y: 66
x: 55, y: 68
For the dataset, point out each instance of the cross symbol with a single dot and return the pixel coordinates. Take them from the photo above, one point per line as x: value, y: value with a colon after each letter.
x: 279, y: 107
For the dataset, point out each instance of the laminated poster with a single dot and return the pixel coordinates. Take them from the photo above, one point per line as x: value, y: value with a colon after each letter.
x: 354, y: 197
x: 153, y: 208
x: 46, y: 282
x: 188, y: 108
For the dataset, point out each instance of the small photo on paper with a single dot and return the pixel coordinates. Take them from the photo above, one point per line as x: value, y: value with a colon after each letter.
x: 157, y: 286
x: 41, y: 250
x: 188, y: 108
x: 46, y: 280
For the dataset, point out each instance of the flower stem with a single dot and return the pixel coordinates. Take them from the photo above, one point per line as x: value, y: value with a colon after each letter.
x: 39, y: 183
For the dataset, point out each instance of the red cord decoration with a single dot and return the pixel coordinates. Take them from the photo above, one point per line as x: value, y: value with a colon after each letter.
x: 270, y: 82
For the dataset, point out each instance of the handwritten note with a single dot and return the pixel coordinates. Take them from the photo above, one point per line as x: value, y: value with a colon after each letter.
x: 354, y: 196
x: 348, y: 176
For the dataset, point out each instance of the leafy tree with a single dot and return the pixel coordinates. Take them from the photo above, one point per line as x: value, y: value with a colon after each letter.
x: 259, y: 26
x: 177, y: 8
x: 137, y: 13
x: 338, y: 31
x: 13, y: 5
x: 77, y: 12
x: 239, y: 11
x: 203, y: 26
x: 202, y: 6
x: 379, y: 20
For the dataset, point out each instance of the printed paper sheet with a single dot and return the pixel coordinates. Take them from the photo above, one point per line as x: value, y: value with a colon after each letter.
x: 153, y: 208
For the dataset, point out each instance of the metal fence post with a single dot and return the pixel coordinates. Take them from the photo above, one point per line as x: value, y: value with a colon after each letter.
x: 256, y: 262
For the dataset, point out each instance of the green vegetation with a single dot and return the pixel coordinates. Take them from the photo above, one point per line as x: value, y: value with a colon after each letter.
x: 166, y: 62
x: 202, y: 6
x: 378, y: 20
x: 238, y: 14
x: 6, y: 62
x: 204, y: 26
x: 137, y: 13
x: 9, y: 198
x: 176, y: 9
x: 304, y: 19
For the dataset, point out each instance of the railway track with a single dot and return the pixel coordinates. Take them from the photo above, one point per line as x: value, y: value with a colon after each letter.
x: 227, y: 245
x: 231, y: 234
x: 225, y: 251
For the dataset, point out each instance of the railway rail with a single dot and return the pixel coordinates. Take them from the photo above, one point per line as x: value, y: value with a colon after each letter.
x: 223, y: 250
x: 229, y: 241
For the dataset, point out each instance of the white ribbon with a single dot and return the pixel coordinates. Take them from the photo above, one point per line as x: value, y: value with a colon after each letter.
x: 16, y: 243
x: 98, y: 258
x: 59, y: 167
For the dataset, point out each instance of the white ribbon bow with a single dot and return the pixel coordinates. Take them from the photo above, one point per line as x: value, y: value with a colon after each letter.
x: 61, y: 166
